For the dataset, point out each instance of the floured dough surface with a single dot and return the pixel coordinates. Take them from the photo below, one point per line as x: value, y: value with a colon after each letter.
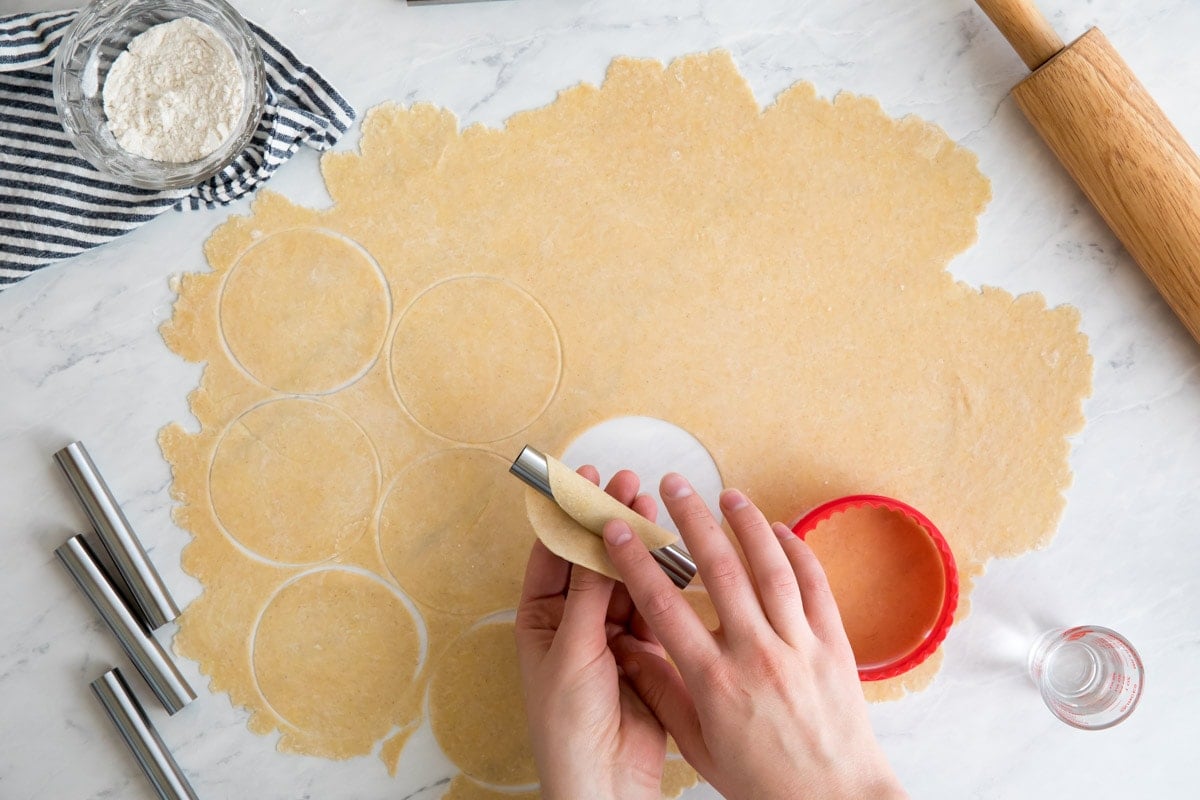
x: 335, y: 653
x: 477, y: 680
x: 473, y: 339
x: 677, y: 776
x: 269, y: 311
x: 572, y: 525
x: 460, y: 558
x: 273, y: 491
x: 771, y: 280
x: 463, y: 788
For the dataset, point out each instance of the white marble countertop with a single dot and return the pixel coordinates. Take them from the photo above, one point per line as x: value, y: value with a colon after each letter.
x: 80, y: 357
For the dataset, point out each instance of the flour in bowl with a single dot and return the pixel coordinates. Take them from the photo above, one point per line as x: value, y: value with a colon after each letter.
x: 176, y: 93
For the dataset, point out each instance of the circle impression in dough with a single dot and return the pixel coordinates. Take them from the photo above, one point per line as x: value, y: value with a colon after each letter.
x: 464, y: 788
x: 295, y: 481
x: 305, y: 311
x: 475, y: 707
x: 462, y: 557
x: 475, y: 359
x: 335, y: 653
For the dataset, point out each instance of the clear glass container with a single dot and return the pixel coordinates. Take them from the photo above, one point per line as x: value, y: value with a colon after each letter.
x: 1090, y: 677
x: 101, y: 32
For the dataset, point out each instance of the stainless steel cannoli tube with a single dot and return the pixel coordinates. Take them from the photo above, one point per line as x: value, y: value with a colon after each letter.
x: 152, y: 755
x: 154, y: 604
x: 143, y: 649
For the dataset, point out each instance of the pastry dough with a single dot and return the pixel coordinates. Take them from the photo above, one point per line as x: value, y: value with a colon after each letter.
x: 456, y: 557
x: 269, y: 308
x: 479, y: 345
x: 335, y: 653
x: 476, y: 711
x: 572, y: 524
x: 272, y: 489
x: 463, y: 788
x: 771, y: 280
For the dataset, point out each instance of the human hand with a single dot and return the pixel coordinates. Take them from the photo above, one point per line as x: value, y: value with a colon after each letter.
x: 769, y: 706
x: 592, y: 736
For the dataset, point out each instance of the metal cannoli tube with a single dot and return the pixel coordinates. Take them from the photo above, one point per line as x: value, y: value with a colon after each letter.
x: 152, y: 755
x: 143, y: 649
x: 153, y: 602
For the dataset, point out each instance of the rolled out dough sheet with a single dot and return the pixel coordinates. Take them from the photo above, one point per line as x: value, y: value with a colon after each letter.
x: 572, y: 525
x: 772, y: 280
x: 477, y: 681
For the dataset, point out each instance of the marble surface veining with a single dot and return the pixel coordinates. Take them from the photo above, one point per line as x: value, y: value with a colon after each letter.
x: 80, y: 357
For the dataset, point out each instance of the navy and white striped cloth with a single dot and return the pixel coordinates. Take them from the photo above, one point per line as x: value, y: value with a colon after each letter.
x: 54, y: 204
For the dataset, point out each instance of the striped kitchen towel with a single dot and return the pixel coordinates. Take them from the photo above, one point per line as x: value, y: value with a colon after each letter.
x: 54, y: 204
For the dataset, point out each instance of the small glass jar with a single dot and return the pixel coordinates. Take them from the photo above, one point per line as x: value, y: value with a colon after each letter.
x: 101, y: 33
x: 1090, y: 677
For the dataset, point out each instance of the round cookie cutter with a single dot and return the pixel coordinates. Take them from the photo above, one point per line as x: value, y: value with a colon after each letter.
x: 941, y: 625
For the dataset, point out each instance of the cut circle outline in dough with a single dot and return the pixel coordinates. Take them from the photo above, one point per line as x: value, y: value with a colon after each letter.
x: 368, y: 508
x: 455, y: 543
x: 303, y: 352
x: 375, y: 582
x: 457, y: 430
x: 649, y: 446
x: 477, y: 758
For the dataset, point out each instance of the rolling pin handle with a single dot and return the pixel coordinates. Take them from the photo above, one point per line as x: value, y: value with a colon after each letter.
x: 1025, y: 28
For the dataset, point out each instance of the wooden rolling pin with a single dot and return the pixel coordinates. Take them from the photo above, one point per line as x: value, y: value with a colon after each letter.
x: 1126, y: 156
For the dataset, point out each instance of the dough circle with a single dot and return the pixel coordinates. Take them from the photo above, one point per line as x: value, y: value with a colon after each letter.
x: 475, y: 359
x: 294, y: 481
x: 305, y: 311
x: 335, y: 653
x: 439, y: 532
x: 475, y: 707
x: 572, y: 525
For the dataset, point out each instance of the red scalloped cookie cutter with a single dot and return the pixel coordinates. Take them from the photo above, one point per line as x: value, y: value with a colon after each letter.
x: 937, y: 633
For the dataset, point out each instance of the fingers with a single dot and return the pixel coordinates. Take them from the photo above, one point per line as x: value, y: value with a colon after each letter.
x: 620, y: 606
x: 621, y: 609
x: 820, y: 608
x: 540, y: 608
x: 590, y: 472
x: 661, y: 688
x: 639, y: 628
x: 724, y: 575
x: 772, y: 573
x: 624, y: 486
x: 582, y: 628
x: 644, y: 504
x: 660, y: 604
x: 545, y: 574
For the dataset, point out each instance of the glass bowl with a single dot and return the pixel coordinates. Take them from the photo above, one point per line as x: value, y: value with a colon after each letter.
x: 101, y: 32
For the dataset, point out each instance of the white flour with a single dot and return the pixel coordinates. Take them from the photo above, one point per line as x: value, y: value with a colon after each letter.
x: 175, y: 94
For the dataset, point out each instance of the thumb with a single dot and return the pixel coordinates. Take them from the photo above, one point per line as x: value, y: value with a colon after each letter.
x: 661, y: 688
x: 582, y: 628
